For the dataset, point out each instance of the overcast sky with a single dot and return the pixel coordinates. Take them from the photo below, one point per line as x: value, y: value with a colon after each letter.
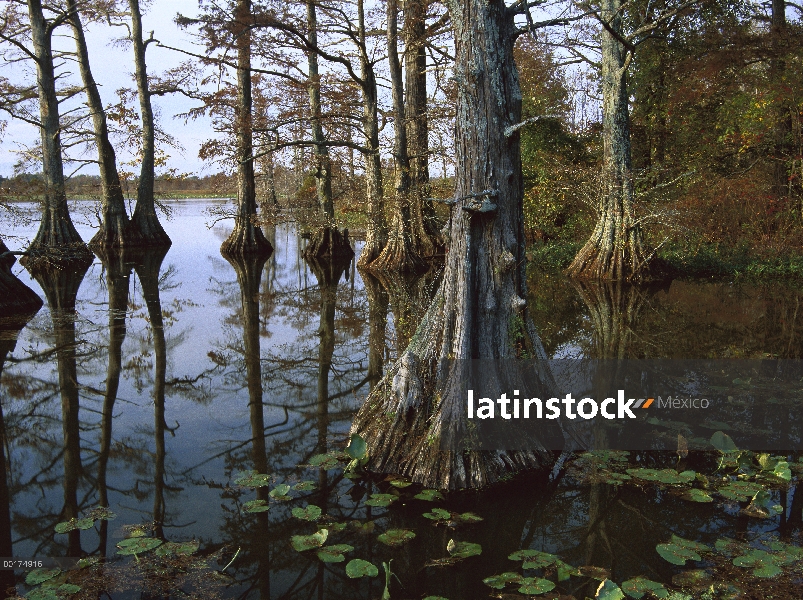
x: 113, y: 68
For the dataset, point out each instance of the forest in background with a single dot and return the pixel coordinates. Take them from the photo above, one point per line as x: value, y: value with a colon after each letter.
x: 348, y: 104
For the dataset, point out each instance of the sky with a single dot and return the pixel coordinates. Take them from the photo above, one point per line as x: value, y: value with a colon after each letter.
x: 113, y: 68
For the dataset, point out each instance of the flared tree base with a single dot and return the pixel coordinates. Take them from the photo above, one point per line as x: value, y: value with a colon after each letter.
x: 246, y: 241
x: 623, y: 260
x: 145, y: 231
x: 398, y: 256
x: 329, y: 244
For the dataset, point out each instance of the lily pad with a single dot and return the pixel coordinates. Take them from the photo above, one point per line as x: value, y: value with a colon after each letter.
x: 137, y: 545
x: 304, y: 486
x: 308, y: 513
x: 324, y: 461
x: 361, y: 568
x: 438, y: 514
x: 608, y: 590
x: 463, y: 549
x: 357, y: 448
x: 763, y: 506
x: 255, y: 506
x: 396, y: 537
x: 565, y: 571
x: 280, y: 492
x: 73, y: 524
x: 43, y: 593
x: 697, y: 495
x: 252, y: 479
x: 668, y: 476
x: 302, y: 543
x: 782, y: 470
x: 334, y: 553
x: 401, y: 483
x: 498, y: 582
x: 533, y: 559
x: 429, y: 495
x: 763, y: 563
x: 38, y: 576
x: 178, y: 548
x: 381, y: 500
x: 639, y: 586
x: 68, y: 589
x: 729, y: 546
x: 467, y: 517
x: 740, y: 490
x: 535, y: 585
x: 679, y: 550
x: 723, y: 442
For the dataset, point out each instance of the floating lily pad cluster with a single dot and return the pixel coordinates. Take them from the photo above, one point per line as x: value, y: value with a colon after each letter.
x: 441, y: 515
x: 52, y: 585
x: 101, y: 513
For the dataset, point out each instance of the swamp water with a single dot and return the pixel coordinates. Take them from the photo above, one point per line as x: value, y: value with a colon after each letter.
x: 180, y: 373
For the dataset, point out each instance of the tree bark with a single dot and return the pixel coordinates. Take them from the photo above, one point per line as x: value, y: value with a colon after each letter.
x: 247, y: 237
x: 146, y: 228
x: 615, y: 249
x: 427, y: 239
x: 783, y: 149
x: 399, y: 253
x: 376, y: 233
x: 327, y: 241
x: 114, y: 228
x: 57, y: 239
x: 415, y: 420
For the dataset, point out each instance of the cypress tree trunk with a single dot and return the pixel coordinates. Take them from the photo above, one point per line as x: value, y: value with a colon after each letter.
x: 327, y: 241
x: 783, y: 149
x: 247, y: 237
x: 415, y: 419
x: 399, y: 253
x: 376, y: 233
x: 57, y: 238
x: 114, y: 229
x: 147, y: 230
x: 427, y: 239
x: 614, y: 251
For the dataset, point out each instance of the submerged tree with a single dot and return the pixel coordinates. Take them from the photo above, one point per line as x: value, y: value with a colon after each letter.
x: 16, y: 298
x: 480, y: 311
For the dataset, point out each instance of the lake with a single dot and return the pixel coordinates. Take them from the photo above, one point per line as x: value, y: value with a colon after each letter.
x: 150, y: 386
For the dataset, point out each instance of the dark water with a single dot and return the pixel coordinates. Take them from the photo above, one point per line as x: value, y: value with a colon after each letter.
x: 223, y: 368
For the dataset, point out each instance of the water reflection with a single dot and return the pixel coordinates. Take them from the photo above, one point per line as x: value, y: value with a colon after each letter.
x: 150, y: 393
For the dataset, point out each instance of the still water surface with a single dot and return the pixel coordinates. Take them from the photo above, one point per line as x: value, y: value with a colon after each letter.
x: 179, y: 372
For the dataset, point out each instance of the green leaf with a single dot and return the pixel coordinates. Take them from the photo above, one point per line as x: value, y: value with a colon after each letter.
x: 137, y: 545
x: 697, y: 495
x: 693, y: 578
x: 723, y: 442
x: 639, y: 586
x: 357, y: 448
x: 782, y: 470
x: 38, y: 576
x: 73, y: 524
x: 401, y: 483
x: 435, y: 598
x: 302, y: 543
x: 608, y: 590
x: 324, y: 461
x: 535, y: 585
x: 256, y: 506
x: 252, y: 479
x: 381, y: 500
x: 304, y: 486
x: 361, y: 568
x: 308, y: 513
x: 533, y: 559
x: 740, y: 490
x: 334, y: 553
x: 594, y: 572
x: 565, y: 571
x: 42, y: 593
x: 429, y: 495
x: 498, y: 582
x: 468, y: 517
x: 729, y: 546
x: 68, y: 589
x: 178, y: 548
x: 438, y: 514
x: 764, y: 564
x: 280, y: 492
x: 463, y: 549
x: 675, y: 554
x: 396, y: 537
